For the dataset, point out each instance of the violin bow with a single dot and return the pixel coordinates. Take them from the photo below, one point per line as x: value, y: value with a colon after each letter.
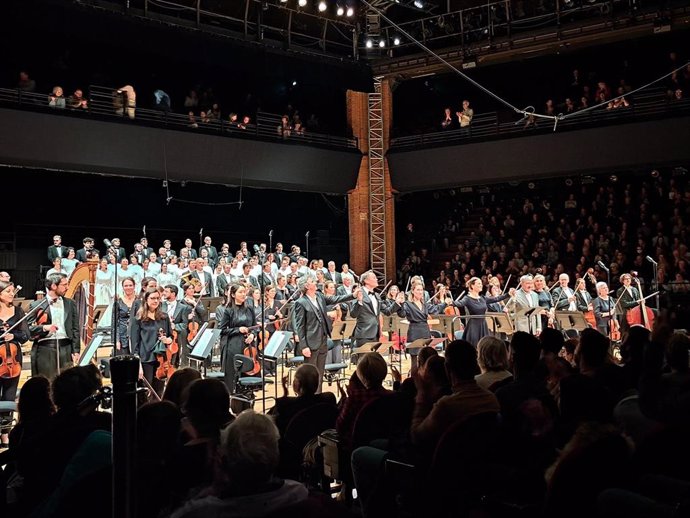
x: 506, y: 284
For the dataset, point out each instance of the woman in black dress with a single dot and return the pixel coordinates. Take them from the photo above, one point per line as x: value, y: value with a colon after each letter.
x: 149, y: 327
x: 9, y: 316
x: 476, y: 328
x: 417, y: 312
x: 123, y: 313
x: 235, y: 322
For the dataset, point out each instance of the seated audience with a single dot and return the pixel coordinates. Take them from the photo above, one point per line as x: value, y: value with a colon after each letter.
x: 492, y: 358
x: 244, y: 483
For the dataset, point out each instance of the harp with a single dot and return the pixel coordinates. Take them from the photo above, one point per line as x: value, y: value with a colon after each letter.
x: 82, y: 289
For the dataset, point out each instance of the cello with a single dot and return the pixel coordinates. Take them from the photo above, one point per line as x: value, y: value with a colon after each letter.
x: 641, y: 314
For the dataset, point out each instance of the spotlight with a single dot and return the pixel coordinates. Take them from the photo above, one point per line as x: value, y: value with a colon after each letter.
x: 283, y: 1
x: 340, y: 11
x: 322, y: 6
x: 531, y: 185
x: 369, y: 44
x: 302, y: 3
x: 613, y: 178
x: 294, y: 83
x: 655, y: 174
x: 183, y: 183
x: 165, y: 183
x: 569, y: 182
x: 419, y: 4
x: 382, y: 43
x: 396, y: 41
x: 350, y: 12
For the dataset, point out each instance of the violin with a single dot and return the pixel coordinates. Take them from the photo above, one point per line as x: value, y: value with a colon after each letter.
x: 641, y: 314
x: 9, y: 366
x: 165, y: 367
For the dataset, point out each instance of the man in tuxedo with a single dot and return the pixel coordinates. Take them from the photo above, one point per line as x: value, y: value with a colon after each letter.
x: 178, y: 313
x: 562, y: 296
x: 224, y: 279
x: 146, y: 249
x: 267, y: 275
x: 205, y: 278
x: 312, y: 325
x: 367, y: 310
x: 279, y: 254
x: 346, y: 288
x: 169, y: 252
x: 526, y: 298
x: 295, y: 254
x: 246, y: 277
x: 57, y: 249
x: 191, y: 253
x: 55, y: 332
x: 332, y: 275
x: 117, y: 250
x: 212, y: 252
x: 88, y: 251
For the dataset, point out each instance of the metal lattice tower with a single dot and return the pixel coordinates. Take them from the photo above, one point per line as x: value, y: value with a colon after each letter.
x: 377, y: 184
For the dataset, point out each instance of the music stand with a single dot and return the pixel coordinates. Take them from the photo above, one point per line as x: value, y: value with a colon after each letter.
x: 346, y: 334
x: 499, y: 323
x: 211, y: 303
x: 98, y: 314
x: 529, y: 313
x: 90, y: 349
x: 571, y: 320
x: 414, y: 347
x: 204, y: 343
x: 369, y: 347
x: 271, y: 353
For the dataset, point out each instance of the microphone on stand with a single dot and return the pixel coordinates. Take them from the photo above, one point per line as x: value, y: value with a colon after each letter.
x: 270, y: 233
x: 602, y: 266
x: 107, y: 243
x: 651, y: 260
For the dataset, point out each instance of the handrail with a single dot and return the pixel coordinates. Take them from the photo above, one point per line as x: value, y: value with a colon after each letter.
x: 489, y: 125
x: 101, y: 105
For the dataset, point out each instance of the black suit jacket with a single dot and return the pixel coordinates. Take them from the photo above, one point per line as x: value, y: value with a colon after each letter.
x: 222, y: 284
x: 212, y: 252
x: 121, y: 253
x: 313, y: 326
x: 206, y: 279
x: 180, y: 318
x: 81, y: 254
x: 335, y: 277
x: 71, y: 322
x: 192, y: 253
x: 53, y: 252
x: 368, y: 320
x: 278, y: 257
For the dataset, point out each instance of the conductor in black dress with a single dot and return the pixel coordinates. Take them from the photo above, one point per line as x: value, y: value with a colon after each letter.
x: 311, y: 324
x: 476, y: 305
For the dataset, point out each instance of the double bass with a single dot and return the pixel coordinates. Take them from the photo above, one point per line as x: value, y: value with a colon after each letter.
x: 641, y: 314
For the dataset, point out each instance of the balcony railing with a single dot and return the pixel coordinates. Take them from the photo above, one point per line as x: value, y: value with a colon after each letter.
x: 106, y: 104
x: 644, y: 105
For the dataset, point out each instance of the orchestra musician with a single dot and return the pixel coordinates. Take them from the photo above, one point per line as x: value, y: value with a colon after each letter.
x: 55, y: 331
x: 628, y: 297
x: 604, y: 309
x: 335, y: 313
x: 584, y: 301
x: 235, y: 322
x: 562, y: 296
x: 149, y: 326
x: 9, y: 316
x: 123, y: 310
x: 545, y: 300
x: 178, y: 313
x: 311, y: 324
x: 526, y: 298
